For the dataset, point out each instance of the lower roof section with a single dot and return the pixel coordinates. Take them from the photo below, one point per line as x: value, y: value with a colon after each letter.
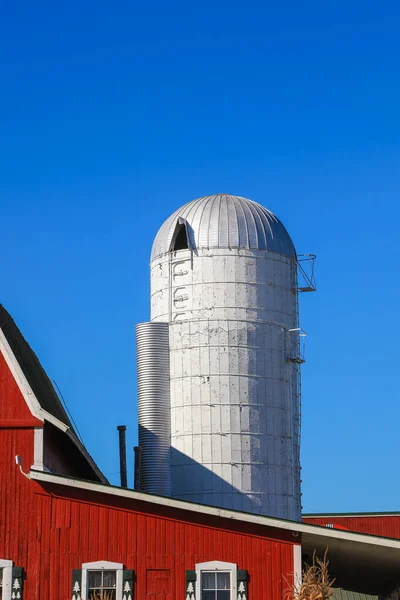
x: 345, y: 595
x: 359, y: 565
x: 359, y: 562
x: 349, y: 514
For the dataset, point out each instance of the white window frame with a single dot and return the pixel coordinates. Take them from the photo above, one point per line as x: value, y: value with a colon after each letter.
x: 102, y: 565
x: 6, y: 566
x: 217, y: 565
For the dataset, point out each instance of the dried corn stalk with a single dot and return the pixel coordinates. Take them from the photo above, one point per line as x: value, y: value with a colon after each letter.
x: 101, y: 595
x: 316, y: 583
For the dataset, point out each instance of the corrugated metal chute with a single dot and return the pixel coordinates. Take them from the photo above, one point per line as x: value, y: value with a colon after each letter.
x: 152, y: 342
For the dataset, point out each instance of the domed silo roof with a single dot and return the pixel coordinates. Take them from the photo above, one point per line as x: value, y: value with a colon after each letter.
x: 224, y: 221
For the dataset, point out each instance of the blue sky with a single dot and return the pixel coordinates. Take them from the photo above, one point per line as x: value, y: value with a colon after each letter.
x: 113, y: 115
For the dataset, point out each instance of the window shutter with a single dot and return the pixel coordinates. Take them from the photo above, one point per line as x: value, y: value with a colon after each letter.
x: 127, y: 584
x: 242, y: 580
x: 76, y: 584
x: 17, y: 582
x: 190, y: 585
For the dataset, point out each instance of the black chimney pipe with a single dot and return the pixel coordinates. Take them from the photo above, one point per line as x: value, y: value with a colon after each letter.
x: 136, y: 452
x: 122, y: 455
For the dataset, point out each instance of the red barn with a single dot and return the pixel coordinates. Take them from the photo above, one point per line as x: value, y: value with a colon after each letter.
x: 66, y: 533
x: 383, y: 524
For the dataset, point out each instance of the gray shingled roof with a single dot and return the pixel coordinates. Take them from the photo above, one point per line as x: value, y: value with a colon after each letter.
x: 47, y: 396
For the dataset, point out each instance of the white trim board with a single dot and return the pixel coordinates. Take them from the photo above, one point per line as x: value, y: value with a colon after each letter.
x: 38, y: 449
x: 297, y: 564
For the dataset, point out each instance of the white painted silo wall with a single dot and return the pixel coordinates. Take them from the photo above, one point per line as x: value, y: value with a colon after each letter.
x: 234, y: 390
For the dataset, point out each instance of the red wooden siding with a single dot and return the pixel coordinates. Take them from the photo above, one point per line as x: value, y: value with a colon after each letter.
x: 12, y: 404
x: 50, y: 531
x: 15, y: 494
x: 16, y: 525
x: 50, y: 535
x: 160, y: 549
x: 384, y: 525
x: 159, y: 584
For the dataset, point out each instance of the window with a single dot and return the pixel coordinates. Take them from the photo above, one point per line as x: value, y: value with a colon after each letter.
x: 102, y: 580
x: 1, y: 584
x: 215, y: 585
x: 180, y: 239
x: 181, y: 242
x: 102, y: 585
x: 216, y: 580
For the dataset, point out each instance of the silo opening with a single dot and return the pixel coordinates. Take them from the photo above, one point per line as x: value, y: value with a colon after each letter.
x: 180, y: 240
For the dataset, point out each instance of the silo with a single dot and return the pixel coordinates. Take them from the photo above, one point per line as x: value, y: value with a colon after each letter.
x: 154, y: 411
x: 224, y: 277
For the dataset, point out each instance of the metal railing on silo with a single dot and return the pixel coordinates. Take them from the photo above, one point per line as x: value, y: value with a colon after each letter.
x: 152, y: 342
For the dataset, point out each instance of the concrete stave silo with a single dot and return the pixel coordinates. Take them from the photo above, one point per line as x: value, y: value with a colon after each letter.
x: 224, y: 277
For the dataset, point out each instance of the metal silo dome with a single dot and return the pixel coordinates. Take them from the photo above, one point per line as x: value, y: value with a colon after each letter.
x: 224, y: 221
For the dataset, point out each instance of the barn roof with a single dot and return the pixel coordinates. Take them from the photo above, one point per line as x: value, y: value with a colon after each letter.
x: 33, y: 370
x: 42, y: 398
